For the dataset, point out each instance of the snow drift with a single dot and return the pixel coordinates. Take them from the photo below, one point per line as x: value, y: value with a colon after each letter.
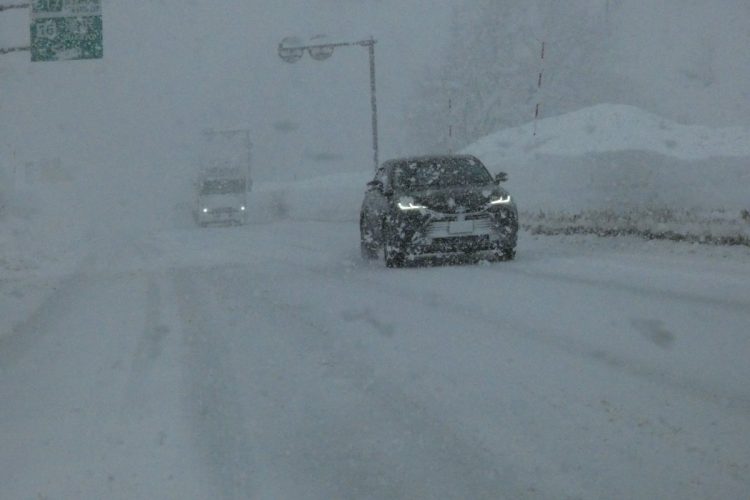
x: 613, y: 169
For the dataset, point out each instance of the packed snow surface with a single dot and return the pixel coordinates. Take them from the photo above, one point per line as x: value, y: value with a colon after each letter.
x: 269, y: 361
x: 142, y: 357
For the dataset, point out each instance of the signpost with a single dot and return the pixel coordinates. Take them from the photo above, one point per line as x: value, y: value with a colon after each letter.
x: 64, y: 30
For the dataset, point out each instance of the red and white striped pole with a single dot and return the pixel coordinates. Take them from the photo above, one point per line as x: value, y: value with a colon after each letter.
x: 539, y: 89
x: 450, y: 125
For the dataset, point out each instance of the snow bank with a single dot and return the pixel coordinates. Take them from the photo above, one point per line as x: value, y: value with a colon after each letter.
x: 613, y: 168
x: 39, y: 236
x: 38, y: 231
x: 606, y: 128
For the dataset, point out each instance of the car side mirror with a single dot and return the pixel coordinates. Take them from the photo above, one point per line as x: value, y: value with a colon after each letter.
x: 501, y: 177
x: 375, y: 185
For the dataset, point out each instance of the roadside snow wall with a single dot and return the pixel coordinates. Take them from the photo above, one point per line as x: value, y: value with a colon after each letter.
x: 618, y: 170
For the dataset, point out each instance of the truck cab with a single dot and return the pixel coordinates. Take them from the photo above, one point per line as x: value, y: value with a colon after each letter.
x: 221, y: 197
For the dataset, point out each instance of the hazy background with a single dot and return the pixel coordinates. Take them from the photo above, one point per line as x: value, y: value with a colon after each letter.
x: 172, y: 68
x: 123, y: 134
x: 685, y: 60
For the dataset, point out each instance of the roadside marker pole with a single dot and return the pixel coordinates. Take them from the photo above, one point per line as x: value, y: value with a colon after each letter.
x: 450, y: 125
x: 539, y: 88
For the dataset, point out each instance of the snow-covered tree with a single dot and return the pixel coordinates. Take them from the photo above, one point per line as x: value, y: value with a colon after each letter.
x: 683, y: 61
x: 491, y: 69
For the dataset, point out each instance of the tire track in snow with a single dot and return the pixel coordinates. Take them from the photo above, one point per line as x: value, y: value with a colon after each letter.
x: 27, y: 333
x: 574, y: 347
x: 392, y: 445
x: 735, y: 306
x: 212, y: 399
x: 150, y: 344
x: 513, y: 326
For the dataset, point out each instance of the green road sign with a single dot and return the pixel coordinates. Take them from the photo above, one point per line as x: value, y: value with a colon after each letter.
x: 63, y: 30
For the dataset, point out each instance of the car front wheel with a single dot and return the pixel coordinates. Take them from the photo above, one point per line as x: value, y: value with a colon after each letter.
x: 394, y: 255
x: 367, y: 243
x: 505, y: 254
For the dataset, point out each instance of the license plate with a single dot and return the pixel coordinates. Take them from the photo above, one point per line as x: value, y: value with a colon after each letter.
x: 461, y: 227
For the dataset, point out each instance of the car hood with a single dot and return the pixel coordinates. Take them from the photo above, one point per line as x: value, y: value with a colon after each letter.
x: 459, y: 199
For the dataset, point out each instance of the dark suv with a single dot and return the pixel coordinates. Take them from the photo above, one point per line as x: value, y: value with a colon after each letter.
x: 437, y: 206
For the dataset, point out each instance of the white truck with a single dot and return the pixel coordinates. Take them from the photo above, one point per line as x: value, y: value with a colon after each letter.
x: 221, y: 197
x: 224, y: 180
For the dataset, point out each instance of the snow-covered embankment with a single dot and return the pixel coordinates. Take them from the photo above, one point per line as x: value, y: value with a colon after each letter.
x: 613, y: 169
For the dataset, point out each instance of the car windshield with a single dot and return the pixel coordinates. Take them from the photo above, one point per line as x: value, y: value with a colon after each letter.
x: 222, y: 186
x: 440, y: 172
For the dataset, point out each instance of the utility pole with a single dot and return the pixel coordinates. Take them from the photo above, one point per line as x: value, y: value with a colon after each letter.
x: 370, y: 44
x: 539, y: 89
x: 450, y: 125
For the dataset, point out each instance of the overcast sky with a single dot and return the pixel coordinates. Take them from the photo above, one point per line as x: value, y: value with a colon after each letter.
x: 173, y: 68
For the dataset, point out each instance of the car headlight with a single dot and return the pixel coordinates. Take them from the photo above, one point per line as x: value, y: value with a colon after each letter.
x: 500, y: 200
x: 205, y: 210
x: 242, y: 208
x: 407, y: 203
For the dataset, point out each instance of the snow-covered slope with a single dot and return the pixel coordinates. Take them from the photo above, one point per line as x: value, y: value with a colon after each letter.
x: 42, y: 238
x: 618, y: 168
x: 39, y: 229
x: 608, y: 128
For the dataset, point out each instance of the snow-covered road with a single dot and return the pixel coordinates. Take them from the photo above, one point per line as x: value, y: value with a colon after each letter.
x: 270, y: 362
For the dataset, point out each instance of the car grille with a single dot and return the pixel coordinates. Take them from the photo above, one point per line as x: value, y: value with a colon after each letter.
x: 470, y: 202
x: 461, y: 244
